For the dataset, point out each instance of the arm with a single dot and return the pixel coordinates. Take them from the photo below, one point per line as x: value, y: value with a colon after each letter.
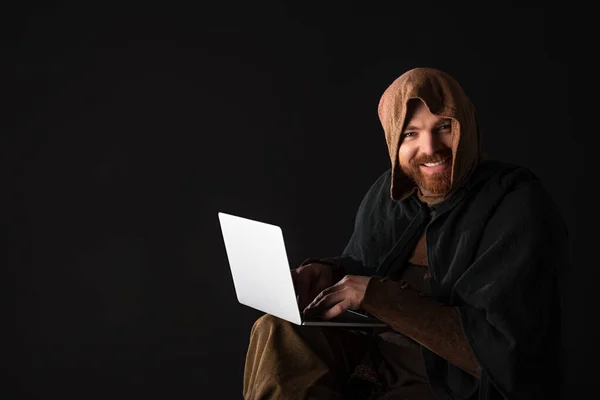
x: 423, y: 319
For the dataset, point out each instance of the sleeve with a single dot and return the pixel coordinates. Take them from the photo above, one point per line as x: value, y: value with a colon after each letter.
x: 423, y: 319
x: 508, y: 295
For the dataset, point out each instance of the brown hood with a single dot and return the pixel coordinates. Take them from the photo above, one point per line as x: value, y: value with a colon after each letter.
x: 444, y: 97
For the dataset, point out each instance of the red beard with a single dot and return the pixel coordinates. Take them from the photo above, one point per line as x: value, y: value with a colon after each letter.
x: 432, y: 184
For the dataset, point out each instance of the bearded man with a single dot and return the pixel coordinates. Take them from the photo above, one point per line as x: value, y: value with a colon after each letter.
x: 461, y: 255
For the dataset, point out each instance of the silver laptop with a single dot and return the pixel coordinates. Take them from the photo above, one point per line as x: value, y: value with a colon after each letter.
x: 261, y: 273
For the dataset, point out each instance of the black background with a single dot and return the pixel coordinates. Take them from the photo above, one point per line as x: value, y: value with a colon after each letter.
x: 126, y: 129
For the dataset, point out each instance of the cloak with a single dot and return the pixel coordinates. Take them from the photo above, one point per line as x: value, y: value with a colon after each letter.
x: 497, y: 250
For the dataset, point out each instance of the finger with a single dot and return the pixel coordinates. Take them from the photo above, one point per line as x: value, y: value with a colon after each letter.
x: 327, y: 301
x: 336, y: 310
x: 318, y: 287
x: 324, y: 293
x: 316, y: 294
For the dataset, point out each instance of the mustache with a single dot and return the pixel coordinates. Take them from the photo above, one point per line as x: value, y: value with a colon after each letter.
x: 437, y: 157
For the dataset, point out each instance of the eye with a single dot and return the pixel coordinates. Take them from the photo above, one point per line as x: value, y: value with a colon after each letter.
x: 408, y: 134
x: 444, y: 127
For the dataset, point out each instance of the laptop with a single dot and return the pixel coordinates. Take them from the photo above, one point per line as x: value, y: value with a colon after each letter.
x: 262, y: 276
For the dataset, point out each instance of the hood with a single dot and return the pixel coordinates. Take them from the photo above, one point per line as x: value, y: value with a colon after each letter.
x: 445, y: 98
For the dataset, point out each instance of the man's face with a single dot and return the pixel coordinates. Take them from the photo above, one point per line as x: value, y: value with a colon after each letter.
x: 426, y: 141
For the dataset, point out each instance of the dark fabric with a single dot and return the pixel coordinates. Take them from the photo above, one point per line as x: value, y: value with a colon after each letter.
x: 414, y: 275
x: 497, y: 252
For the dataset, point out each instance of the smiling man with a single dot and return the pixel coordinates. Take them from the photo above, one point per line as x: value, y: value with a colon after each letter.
x: 462, y: 256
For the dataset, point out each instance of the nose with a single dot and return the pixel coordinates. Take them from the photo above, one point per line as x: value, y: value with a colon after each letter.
x: 431, y: 143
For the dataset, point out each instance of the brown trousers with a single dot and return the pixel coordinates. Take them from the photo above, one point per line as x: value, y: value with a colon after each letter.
x: 287, y: 361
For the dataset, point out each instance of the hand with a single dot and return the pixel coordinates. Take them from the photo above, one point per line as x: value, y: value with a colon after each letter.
x: 347, y: 294
x: 309, y: 280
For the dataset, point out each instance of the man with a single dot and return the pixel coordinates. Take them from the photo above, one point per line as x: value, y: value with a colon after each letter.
x: 462, y: 256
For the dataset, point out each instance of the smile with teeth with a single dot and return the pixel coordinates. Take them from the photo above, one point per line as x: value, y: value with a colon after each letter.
x: 434, y: 164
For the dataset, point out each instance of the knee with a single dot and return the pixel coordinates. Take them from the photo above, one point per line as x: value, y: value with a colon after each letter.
x: 268, y: 323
